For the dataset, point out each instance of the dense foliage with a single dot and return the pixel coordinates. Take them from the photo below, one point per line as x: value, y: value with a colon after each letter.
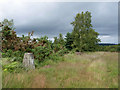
x: 111, y: 48
x: 82, y: 38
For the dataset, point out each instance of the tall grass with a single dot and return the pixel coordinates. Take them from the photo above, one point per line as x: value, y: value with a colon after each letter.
x: 89, y: 70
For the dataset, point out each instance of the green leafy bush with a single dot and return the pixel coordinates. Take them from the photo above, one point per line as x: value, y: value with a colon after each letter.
x: 8, y: 53
x: 41, y: 53
x: 15, y: 56
x: 62, y: 52
x: 18, y: 56
x: 3, y: 55
x: 12, y: 67
x: 54, y: 56
x: 36, y: 62
x: 113, y: 48
x: 110, y: 48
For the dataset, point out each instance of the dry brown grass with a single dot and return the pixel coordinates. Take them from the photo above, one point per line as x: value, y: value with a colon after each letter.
x: 39, y: 81
x: 89, y: 70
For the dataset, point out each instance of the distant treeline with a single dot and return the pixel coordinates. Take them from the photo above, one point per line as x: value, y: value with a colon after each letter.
x: 111, y: 48
x: 107, y: 44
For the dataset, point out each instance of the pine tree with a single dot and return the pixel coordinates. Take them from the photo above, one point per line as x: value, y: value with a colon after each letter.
x: 58, y: 43
x: 61, y: 39
x: 69, y: 41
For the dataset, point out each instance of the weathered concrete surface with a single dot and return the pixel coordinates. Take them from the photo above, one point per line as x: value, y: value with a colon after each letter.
x: 28, y: 61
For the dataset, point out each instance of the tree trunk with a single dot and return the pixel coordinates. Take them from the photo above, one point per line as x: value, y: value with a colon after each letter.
x: 28, y: 61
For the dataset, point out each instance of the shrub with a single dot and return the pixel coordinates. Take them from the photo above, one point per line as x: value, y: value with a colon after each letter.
x: 8, y: 53
x: 16, y: 55
x: 113, y: 50
x: 41, y: 53
x: 12, y: 67
x: 54, y: 56
x: 3, y: 55
x: 36, y: 62
x: 62, y: 52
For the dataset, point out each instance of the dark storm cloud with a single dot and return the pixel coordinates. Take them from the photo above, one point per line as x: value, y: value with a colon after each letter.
x: 53, y: 18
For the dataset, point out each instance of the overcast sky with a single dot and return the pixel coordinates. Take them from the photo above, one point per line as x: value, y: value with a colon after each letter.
x: 52, y: 18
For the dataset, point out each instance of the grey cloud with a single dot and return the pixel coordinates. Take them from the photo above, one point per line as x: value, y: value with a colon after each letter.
x: 54, y: 18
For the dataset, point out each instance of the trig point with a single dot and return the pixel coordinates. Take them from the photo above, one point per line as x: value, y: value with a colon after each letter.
x: 28, y: 61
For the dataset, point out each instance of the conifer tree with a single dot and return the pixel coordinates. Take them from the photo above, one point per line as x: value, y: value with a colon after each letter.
x: 69, y: 41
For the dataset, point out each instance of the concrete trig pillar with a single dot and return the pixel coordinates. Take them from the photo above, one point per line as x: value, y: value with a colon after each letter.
x: 28, y: 61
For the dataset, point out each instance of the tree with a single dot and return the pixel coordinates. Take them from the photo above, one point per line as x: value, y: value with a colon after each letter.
x: 58, y: 43
x: 61, y: 39
x: 69, y: 41
x: 9, y: 37
x: 84, y: 37
x: 56, y: 40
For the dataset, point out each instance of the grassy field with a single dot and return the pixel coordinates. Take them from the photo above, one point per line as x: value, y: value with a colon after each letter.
x: 89, y: 70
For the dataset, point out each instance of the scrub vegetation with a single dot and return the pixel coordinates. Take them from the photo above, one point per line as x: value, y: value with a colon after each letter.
x: 74, y: 61
x: 89, y: 70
